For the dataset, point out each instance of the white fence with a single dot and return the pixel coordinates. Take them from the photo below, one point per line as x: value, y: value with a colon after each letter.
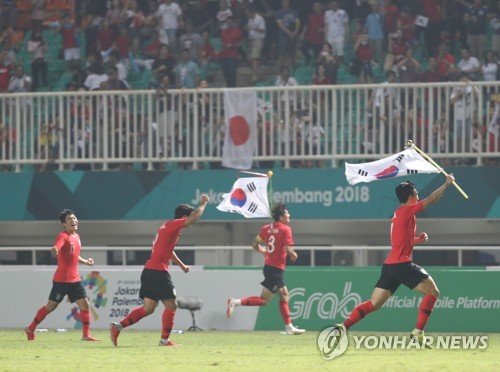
x: 221, y: 252
x: 297, y: 125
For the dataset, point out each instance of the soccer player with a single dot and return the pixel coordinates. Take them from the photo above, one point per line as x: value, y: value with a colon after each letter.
x: 278, y: 241
x: 66, y: 280
x: 398, y: 267
x: 156, y: 283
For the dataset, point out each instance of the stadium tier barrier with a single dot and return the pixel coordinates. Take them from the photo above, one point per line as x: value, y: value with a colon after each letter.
x: 319, y: 297
x: 220, y: 255
x: 288, y: 124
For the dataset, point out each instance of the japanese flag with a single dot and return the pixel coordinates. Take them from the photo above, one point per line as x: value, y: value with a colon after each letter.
x: 401, y: 164
x: 240, y: 141
x: 248, y: 197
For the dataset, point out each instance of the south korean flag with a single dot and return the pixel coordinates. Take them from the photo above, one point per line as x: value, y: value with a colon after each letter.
x: 248, y: 197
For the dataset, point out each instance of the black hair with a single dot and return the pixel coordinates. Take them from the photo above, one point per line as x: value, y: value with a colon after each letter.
x: 279, y: 210
x: 183, y: 210
x: 404, y: 190
x: 65, y: 213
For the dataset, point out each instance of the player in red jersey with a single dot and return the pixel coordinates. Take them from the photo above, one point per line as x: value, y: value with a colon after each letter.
x: 156, y: 283
x: 66, y: 280
x: 398, y: 267
x: 278, y: 241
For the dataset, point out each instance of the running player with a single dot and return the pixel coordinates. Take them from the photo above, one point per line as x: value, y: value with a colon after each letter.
x: 398, y: 267
x: 156, y: 283
x: 66, y: 280
x: 278, y: 241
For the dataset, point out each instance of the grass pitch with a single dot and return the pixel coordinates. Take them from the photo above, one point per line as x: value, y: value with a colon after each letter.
x: 208, y: 350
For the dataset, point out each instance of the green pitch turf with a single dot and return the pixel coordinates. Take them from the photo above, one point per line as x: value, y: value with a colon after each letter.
x: 206, y: 351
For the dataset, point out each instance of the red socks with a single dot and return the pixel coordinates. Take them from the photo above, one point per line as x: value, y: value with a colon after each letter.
x: 135, y: 315
x: 167, y: 321
x: 358, y: 313
x: 285, y: 312
x: 424, y: 311
x: 252, y: 301
x: 85, y: 319
x: 40, y: 315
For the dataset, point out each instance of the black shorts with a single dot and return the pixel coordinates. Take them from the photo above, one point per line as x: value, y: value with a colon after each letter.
x: 273, y: 278
x: 75, y: 291
x: 156, y: 285
x: 407, y: 273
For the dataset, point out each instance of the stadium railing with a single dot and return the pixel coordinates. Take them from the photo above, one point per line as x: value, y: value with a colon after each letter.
x: 305, y: 123
x: 221, y: 260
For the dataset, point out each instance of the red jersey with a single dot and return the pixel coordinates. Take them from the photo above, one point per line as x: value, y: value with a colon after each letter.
x: 68, y: 33
x: 164, y: 243
x: 403, y: 227
x: 276, y: 236
x: 68, y: 247
x: 316, y: 29
x: 4, y: 77
x: 230, y: 36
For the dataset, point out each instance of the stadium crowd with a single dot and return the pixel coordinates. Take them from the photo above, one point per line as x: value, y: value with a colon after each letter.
x: 136, y: 44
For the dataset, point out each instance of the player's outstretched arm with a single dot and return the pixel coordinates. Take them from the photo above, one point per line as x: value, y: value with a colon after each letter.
x: 421, y: 238
x: 55, y: 251
x: 198, y: 212
x: 291, y: 253
x: 438, y: 193
x: 257, y: 245
x: 175, y: 259
x: 88, y: 262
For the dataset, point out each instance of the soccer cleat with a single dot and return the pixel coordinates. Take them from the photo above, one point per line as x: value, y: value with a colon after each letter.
x: 89, y: 338
x: 292, y: 330
x: 231, y: 305
x: 29, y: 334
x: 168, y: 343
x: 114, y: 332
x: 419, y: 336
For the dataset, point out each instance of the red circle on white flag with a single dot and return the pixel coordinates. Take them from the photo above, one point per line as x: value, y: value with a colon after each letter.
x: 239, y: 130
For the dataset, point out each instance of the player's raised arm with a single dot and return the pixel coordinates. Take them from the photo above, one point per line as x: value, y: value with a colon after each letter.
x: 291, y: 253
x: 258, y: 245
x: 175, y: 259
x: 198, y: 212
x: 88, y: 262
x: 438, y: 193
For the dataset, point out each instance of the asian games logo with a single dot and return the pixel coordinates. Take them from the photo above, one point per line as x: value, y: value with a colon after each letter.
x: 95, y: 286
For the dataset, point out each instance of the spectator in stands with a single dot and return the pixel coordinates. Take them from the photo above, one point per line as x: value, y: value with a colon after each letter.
x: 476, y: 21
x: 495, y: 24
x: 397, y: 50
x: 361, y: 66
x: 121, y: 69
x: 313, y: 34
x: 490, y: 69
x: 320, y: 77
x: 170, y: 14
x: 197, y: 14
x: 113, y: 82
x: 433, y: 10
x: 69, y: 41
x: 136, y: 58
x: 4, y: 73
x: 256, y: 28
x: 408, y: 68
x: 285, y: 80
x: 469, y: 64
x: 454, y: 23
x: 135, y: 19
x: 391, y: 12
x: 329, y: 62
x: 336, y: 29
x: 122, y: 43
x: 406, y: 23
x: 186, y: 72
x: 105, y: 38
x: 191, y: 41
x: 231, y: 38
x: 374, y: 25
x: 95, y: 77
x: 431, y: 75
x: 207, y: 53
x: 164, y: 63
x: 39, y: 68
x: 8, y: 15
x: 445, y: 62
x: 19, y: 82
x: 223, y: 14
x: 288, y: 23
x: 116, y: 14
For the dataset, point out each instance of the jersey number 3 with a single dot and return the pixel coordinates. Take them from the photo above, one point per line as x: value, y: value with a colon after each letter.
x: 270, y: 244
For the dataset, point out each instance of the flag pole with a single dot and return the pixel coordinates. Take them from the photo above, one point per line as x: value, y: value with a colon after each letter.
x: 410, y: 143
x: 270, y: 193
